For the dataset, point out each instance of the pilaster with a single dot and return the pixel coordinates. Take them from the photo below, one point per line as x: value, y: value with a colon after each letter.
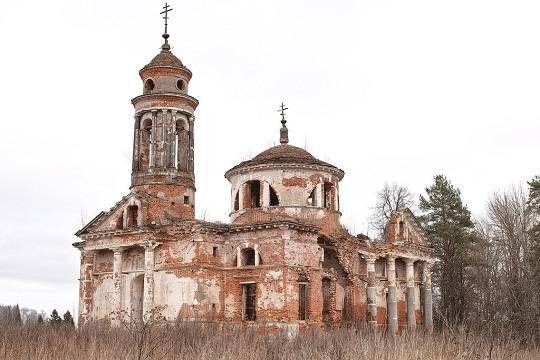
x: 148, y: 297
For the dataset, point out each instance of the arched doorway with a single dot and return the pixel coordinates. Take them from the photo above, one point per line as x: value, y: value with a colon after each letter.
x: 137, y: 295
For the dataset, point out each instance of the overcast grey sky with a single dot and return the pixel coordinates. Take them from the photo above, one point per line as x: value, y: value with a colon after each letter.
x: 386, y: 90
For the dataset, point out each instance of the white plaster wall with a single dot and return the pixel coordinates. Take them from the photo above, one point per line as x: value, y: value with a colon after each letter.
x: 173, y: 292
x: 272, y: 292
x: 102, y: 304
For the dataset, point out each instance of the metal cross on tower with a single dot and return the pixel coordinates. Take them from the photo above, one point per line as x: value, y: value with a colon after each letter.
x: 165, y: 14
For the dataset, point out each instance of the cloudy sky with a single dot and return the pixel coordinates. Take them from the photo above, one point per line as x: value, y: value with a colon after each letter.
x: 386, y: 90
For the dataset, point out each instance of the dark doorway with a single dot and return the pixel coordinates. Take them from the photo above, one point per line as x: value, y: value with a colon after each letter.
x: 327, y: 296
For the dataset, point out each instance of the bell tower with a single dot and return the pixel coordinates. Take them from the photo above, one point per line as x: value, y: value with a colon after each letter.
x: 163, y: 141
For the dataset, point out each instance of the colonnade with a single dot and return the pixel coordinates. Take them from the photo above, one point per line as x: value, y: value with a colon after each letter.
x: 392, y: 313
x: 86, y: 288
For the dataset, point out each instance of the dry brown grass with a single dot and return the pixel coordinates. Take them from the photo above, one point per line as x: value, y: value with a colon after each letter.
x: 196, y: 341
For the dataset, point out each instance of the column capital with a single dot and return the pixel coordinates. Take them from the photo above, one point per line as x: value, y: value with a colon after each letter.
x: 118, y: 250
x: 391, y: 258
x: 370, y: 258
x: 85, y: 252
x: 409, y: 261
x: 149, y: 244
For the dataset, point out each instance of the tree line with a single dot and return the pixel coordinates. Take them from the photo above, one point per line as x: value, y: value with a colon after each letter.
x: 487, y: 269
x: 13, y: 315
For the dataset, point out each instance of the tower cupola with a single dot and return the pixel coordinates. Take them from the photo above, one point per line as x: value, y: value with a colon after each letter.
x: 163, y: 143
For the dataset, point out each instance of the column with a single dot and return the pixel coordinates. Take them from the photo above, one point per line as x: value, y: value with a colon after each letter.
x: 240, y: 197
x: 117, y: 286
x: 148, y: 297
x: 191, y: 165
x: 392, y: 302
x: 135, y: 164
x: 319, y: 195
x: 371, y: 291
x: 265, y: 193
x: 256, y: 248
x: 85, y: 286
x: 152, y: 145
x: 238, y: 257
x: 428, y: 302
x: 411, y: 312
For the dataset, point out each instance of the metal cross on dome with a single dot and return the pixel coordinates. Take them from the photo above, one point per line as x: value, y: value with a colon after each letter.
x: 165, y: 12
x: 282, y: 113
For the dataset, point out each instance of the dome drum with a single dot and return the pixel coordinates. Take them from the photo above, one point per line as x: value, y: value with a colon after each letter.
x: 300, y: 193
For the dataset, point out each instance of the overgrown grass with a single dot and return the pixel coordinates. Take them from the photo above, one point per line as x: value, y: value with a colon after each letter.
x: 198, y: 341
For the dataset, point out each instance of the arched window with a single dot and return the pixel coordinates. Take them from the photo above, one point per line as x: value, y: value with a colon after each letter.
x: 274, y: 200
x: 247, y: 257
x: 145, y: 151
x: 401, y: 226
x: 329, y: 197
x: 132, y: 216
x: 180, y: 85
x: 120, y: 221
x: 237, y: 201
x: 311, y: 198
x: 182, y: 145
x: 149, y: 86
x: 252, y: 194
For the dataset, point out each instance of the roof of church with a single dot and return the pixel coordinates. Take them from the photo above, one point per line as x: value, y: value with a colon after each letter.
x: 165, y: 58
x: 284, y: 154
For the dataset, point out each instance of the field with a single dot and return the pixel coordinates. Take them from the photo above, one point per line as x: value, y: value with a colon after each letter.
x: 195, y: 341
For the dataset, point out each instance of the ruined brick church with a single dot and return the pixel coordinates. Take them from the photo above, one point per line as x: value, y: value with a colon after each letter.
x: 284, y: 260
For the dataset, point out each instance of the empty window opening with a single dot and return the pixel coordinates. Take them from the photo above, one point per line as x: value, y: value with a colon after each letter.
x: 120, y: 221
x: 180, y: 85
x: 274, y: 201
x: 328, y: 195
x: 149, y: 86
x: 186, y: 199
x: 132, y: 214
x: 249, y: 301
x: 237, y: 201
x: 253, y: 192
x: 214, y: 251
x: 401, y: 227
x: 311, y: 198
x: 145, y: 151
x: 247, y: 257
x: 182, y: 145
x: 302, y: 300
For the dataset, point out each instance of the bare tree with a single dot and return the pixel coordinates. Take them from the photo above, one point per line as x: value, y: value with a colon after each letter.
x: 389, y: 199
x: 505, y: 276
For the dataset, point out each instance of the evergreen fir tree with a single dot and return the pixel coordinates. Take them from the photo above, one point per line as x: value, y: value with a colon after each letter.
x: 55, y: 319
x: 16, y: 314
x: 448, y: 222
x: 68, y: 319
x: 534, y: 206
